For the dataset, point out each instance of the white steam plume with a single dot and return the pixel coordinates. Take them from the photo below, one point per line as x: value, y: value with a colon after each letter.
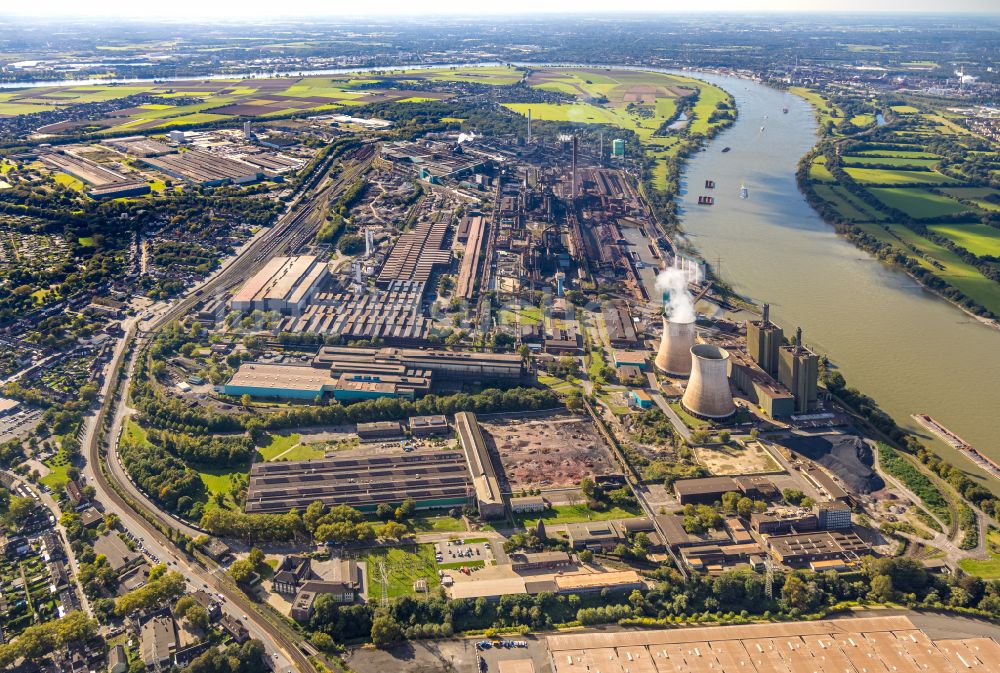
x: 672, y: 283
x: 465, y: 137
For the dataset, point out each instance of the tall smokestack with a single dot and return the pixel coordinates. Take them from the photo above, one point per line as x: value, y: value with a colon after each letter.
x: 573, y: 187
x: 674, y: 356
x: 600, y: 153
x: 798, y: 339
x: 529, y: 124
x: 767, y: 313
x: 708, y: 394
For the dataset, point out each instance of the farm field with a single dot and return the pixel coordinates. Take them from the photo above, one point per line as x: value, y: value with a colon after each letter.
x: 883, y: 176
x: 847, y: 204
x: 917, y: 203
x: 889, y: 161
x: 818, y: 170
x: 979, y: 239
x: 958, y: 273
x: 897, y: 153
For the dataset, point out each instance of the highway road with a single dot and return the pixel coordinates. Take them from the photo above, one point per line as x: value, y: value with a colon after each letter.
x: 288, y: 235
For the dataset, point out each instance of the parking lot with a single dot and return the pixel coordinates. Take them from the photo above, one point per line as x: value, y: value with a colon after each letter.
x: 19, y: 423
x: 472, y: 552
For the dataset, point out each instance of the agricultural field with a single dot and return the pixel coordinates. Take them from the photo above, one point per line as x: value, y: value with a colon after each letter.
x: 979, y: 239
x: 955, y: 271
x: 891, y: 162
x: 881, y: 176
x: 848, y: 205
x: 917, y: 203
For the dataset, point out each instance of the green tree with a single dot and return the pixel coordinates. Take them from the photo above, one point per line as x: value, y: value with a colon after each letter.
x: 385, y: 631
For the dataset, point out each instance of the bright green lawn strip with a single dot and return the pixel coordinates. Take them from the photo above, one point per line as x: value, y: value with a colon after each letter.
x: 979, y: 239
x: 478, y: 563
x: 220, y: 481
x: 69, y: 181
x: 575, y: 514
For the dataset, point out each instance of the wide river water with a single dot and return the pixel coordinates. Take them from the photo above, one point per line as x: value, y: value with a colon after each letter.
x: 910, y: 350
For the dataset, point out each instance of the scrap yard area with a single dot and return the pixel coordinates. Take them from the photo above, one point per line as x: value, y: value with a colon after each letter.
x: 548, y: 452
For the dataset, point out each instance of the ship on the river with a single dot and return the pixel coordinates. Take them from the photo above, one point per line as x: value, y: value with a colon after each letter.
x: 956, y: 442
x: 744, y: 192
x: 726, y: 149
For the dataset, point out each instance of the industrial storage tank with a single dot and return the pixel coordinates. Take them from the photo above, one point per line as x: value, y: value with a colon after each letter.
x: 708, y: 394
x: 674, y: 356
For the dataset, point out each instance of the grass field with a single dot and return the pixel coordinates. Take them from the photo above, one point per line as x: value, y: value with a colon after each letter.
x: 848, y: 205
x: 900, y: 154
x: 889, y: 161
x: 917, y: 203
x: 963, y: 276
x: 221, y: 481
x: 988, y: 569
x: 56, y: 478
x: 279, y: 444
x: 818, y: 170
x: 979, y: 239
x: 883, y: 176
x: 575, y: 514
x: 405, y: 565
x: 423, y: 523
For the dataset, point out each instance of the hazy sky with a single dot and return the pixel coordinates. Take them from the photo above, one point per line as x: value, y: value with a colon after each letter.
x: 254, y: 9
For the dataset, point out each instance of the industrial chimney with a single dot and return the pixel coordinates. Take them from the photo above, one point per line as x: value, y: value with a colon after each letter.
x: 674, y: 356
x: 708, y: 394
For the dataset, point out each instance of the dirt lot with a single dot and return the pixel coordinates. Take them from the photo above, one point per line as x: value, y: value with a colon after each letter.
x: 733, y: 459
x: 549, y: 452
x: 445, y: 656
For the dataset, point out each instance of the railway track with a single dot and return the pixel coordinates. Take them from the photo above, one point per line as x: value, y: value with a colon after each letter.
x: 290, y: 233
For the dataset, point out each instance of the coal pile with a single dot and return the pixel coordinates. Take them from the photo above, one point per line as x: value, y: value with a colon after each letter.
x: 847, y: 456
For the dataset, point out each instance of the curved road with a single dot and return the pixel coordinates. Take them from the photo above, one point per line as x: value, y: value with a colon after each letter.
x: 289, y: 233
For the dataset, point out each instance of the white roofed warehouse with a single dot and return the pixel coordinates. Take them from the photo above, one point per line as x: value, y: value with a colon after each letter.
x: 285, y: 284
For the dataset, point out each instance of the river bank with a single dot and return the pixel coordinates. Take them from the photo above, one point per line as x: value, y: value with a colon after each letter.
x: 889, y: 336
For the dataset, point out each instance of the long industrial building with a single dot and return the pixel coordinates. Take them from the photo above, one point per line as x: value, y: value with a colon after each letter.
x: 349, y: 374
x: 202, y: 168
x: 104, y: 182
x: 443, y: 365
x: 416, y: 254
x: 285, y: 284
x: 468, y: 272
x: 891, y: 644
x: 391, y: 315
x: 489, y: 499
x: 431, y: 478
x: 267, y: 380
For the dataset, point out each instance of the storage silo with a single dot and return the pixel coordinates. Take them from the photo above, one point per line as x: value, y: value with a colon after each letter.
x: 708, y: 394
x: 674, y: 356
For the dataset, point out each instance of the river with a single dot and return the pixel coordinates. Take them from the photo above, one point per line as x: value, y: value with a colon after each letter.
x: 905, y: 347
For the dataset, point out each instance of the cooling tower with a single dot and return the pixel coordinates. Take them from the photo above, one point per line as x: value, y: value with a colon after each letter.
x: 708, y: 393
x: 674, y: 356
